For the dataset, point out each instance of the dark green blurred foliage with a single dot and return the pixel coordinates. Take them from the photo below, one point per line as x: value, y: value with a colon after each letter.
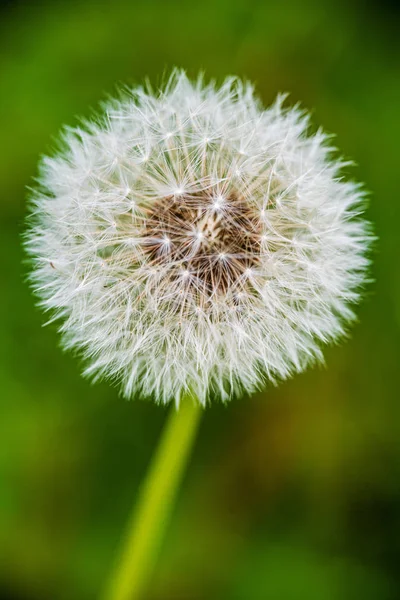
x: 291, y: 494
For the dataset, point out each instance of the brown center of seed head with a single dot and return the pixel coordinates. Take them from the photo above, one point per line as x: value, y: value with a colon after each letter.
x: 210, y: 241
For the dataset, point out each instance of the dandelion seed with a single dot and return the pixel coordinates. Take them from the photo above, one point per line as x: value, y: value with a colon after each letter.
x: 216, y: 285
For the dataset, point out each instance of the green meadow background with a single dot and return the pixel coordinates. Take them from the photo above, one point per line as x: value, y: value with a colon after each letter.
x: 292, y: 494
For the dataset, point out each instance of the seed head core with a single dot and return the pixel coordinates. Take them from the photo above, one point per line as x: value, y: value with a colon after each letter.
x: 212, y: 245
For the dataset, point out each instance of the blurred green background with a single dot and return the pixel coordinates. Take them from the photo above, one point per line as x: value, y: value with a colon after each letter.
x: 291, y: 494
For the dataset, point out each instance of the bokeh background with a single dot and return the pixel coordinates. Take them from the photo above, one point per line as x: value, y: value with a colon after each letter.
x: 292, y: 494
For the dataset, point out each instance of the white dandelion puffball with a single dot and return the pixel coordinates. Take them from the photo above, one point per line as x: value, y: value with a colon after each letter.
x: 191, y: 241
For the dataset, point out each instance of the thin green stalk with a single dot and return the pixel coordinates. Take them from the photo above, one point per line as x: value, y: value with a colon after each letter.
x: 155, y: 501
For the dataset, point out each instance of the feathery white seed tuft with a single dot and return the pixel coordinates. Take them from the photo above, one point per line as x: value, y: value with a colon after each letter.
x: 190, y: 239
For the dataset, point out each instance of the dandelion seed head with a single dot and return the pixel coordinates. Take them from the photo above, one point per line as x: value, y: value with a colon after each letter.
x: 191, y: 240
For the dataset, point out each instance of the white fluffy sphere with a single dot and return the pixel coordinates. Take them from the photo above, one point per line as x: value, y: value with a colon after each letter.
x: 191, y: 241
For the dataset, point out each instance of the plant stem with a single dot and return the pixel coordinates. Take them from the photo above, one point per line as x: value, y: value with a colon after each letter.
x: 154, y: 504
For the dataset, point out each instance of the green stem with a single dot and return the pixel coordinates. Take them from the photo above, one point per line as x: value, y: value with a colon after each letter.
x: 155, y: 501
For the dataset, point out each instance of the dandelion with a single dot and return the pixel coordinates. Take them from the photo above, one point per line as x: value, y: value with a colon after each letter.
x: 193, y: 244
x: 189, y: 240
